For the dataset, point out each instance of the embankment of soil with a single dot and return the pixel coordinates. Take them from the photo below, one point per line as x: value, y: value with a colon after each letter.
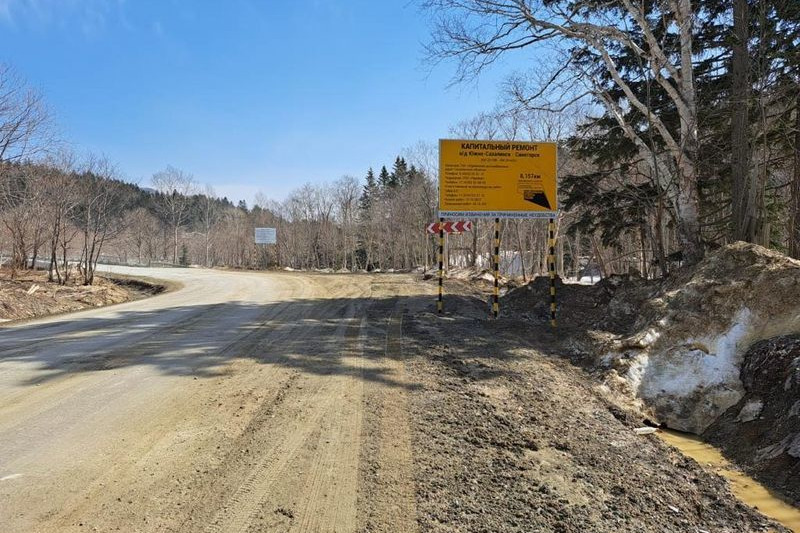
x: 30, y: 295
x: 677, y: 345
x: 509, y: 438
x: 713, y: 350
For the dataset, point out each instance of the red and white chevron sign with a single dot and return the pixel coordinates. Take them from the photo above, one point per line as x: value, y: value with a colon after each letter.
x: 450, y: 227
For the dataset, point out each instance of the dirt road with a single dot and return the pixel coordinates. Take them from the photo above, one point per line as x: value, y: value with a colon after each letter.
x: 249, y: 402
x: 232, y: 404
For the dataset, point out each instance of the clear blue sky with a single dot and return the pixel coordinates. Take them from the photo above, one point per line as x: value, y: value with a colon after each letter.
x: 247, y: 95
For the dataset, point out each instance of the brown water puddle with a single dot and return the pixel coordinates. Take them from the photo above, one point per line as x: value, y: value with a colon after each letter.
x: 745, y: 488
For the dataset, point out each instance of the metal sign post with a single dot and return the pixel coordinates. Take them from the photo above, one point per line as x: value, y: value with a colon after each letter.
x: 443, y: 229
x: 440, y: 303
x: 551, y: 264
x: 496, y: 302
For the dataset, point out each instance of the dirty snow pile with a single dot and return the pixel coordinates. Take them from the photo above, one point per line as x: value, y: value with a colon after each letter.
x: 683, y: 359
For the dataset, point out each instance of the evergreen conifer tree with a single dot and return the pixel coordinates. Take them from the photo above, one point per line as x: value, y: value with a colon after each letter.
x: 384, y: 179
x: 399, y: 173
x: 368, y: 192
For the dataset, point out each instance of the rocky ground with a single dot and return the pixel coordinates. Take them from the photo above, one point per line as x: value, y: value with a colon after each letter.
x: 703, y: 351
x: 30, y: 295
x: 510, y: 437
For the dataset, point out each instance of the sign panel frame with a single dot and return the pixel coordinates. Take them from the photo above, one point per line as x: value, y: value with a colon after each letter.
x: 497, y: 179
x: 266, y: 236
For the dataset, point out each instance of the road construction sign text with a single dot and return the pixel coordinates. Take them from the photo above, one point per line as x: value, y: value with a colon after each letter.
x: 497, y: 179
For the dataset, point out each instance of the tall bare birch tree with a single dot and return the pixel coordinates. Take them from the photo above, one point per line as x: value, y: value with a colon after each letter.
x: 99, y: 215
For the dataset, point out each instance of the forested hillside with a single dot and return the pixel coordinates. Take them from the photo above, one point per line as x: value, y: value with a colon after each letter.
x: 678, y: 126
x: 57, y: 212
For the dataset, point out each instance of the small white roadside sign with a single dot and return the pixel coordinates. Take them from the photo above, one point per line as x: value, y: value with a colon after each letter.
x: 266, y: 236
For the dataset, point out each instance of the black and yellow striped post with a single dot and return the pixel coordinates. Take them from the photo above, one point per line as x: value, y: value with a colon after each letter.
x: 551, y: 267
x: 496, y: 300
x: 440, y: 303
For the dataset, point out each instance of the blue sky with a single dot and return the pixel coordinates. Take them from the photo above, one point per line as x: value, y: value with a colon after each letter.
x: 247, y: 95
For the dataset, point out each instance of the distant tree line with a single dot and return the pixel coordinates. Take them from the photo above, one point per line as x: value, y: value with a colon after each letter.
x: 66, y: 216
x: 678, y: 126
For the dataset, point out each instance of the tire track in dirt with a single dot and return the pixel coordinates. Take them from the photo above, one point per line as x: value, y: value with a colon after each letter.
x: 332, y: 479
x: 273, y: 440
x: 122, y: 350
x: 164, y: 433
x: 387, y: 495
x: 67, y: 339
x: 265, y: 480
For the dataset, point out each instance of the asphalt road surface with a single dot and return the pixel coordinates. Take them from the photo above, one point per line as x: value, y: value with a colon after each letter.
x: 235, y: 403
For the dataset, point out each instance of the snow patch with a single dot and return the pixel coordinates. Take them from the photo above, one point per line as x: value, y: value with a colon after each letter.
x: 750, y: 411
x: 671, y: 374
x: 681, y: 372
x: 650, y: 337
x: 637, y: 371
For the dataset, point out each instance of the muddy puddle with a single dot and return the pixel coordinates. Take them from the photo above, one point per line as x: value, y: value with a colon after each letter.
x: 743, y: 487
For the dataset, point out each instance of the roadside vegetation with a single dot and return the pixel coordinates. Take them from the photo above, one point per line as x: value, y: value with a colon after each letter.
x: 678, y: 131
x: 678, y: 127
x: 29, y: 295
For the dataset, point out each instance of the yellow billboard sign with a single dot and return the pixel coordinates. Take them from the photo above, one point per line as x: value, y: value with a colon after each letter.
x: 497, y: 179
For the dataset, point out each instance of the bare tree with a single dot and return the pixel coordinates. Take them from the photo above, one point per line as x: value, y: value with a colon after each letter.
x: 25, y: 131
x: 175, y: 188
x: 141, y: 234
x: 25, y: 122
x: 346, y: 192
x: 62, y: 199
x: 37, y: 201
x: 478, y: 32
x: 103, y: 202
x: 794, y: 219
x: 15, y: 188
x: 745, y: 223
x: 210, y: 216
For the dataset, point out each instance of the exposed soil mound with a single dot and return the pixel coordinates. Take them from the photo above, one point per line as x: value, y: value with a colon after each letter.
x: 610, y: 305
x: 510, y: 439
x: 468, y: 275
x: 684, y: 358
x: 762, y: 431
x: 677, y: 344
x: 30, y: 295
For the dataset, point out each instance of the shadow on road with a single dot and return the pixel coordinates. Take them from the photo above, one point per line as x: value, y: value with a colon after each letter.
x: 316, y: 336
